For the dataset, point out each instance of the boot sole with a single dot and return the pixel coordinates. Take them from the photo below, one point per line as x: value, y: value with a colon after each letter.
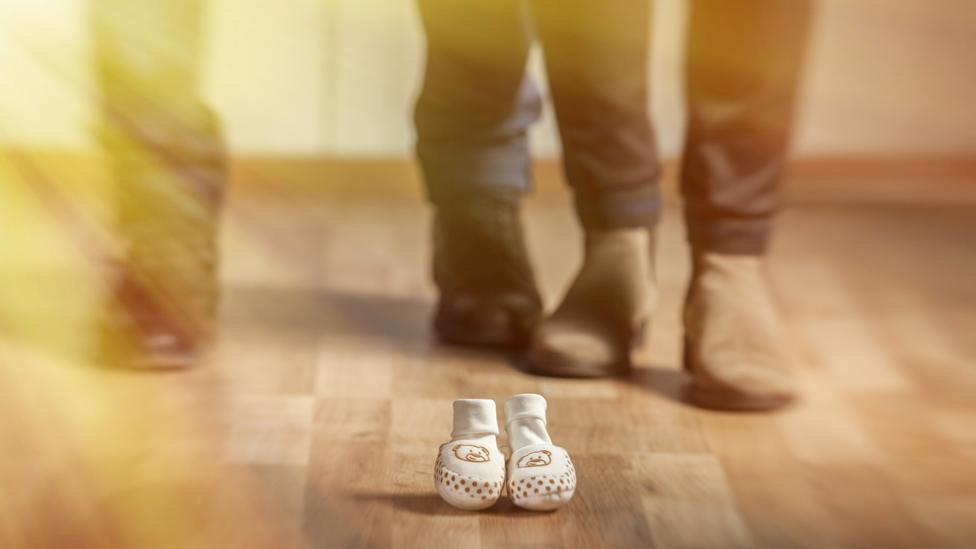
x: 731, y: 401
x: 551, y: 364
x: 727, y: 400
x: 555, y: 364
x: 491, y: 340
x: 506, y: 336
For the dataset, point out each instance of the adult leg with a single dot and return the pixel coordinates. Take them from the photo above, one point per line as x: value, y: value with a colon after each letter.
x: 597, y: 58
x: 471, y: 118
x: 744, y: 63
x: 168, y: 164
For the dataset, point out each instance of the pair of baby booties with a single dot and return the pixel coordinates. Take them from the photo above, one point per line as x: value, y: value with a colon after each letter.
x: 470, y: 470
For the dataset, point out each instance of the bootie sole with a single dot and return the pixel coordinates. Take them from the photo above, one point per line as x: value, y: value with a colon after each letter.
x: 464, y: 492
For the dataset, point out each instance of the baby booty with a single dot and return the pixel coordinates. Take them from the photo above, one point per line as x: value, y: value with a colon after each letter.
x: 470, y: 469
x: 541, y: 476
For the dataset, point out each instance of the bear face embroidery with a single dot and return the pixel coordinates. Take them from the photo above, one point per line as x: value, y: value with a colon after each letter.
x: 471, y: 453
x: 540, y: 458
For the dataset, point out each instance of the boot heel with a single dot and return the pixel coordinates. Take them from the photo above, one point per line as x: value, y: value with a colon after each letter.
x: 638, y: 335
x: 686, y: 360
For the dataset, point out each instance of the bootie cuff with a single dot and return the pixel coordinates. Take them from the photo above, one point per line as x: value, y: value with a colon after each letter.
x: 525, y: 406
x: 474, y: 417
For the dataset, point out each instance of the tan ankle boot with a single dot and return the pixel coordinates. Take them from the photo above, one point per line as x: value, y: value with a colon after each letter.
x: 601, y: 317
x: 734, y: 337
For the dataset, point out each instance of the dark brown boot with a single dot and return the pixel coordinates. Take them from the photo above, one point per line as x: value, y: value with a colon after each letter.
x: 488, y: 295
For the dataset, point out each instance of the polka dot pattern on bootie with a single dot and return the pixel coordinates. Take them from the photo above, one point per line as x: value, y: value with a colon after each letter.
x: 541, y: 484
x: 562, y: 482
x: 467, y: 486
x: 469, y: 476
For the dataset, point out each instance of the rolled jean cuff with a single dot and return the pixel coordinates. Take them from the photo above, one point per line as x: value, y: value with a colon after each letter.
x: 450, y: 172
x: 730, y: 236
x: 632, y: 208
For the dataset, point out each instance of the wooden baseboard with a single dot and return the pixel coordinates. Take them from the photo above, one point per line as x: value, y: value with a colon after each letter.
x: 946, y: 179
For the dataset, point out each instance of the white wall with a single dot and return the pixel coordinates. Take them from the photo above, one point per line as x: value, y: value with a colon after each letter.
x: 338, y: 76
x: 892, y: 76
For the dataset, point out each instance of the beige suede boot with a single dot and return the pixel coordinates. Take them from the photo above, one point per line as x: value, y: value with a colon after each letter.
x: 734, y: 346
x: 601, y: 318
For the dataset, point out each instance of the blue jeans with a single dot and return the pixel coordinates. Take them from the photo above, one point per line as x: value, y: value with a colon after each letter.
x: 742, y: 69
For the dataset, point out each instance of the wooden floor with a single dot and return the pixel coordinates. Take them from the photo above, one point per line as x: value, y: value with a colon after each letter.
x: 318, y: 425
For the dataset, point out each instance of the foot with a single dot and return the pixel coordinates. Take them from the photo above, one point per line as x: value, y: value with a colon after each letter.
x: 541, y: 477
x: 469, y: 472
x: 601, y: 319
x: 487, y: 288
x: 141, y: 330
x: 734, y: 337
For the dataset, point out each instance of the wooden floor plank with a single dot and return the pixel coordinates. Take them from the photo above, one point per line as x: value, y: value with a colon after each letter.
x: 688, y: 502
x: 319, y: 423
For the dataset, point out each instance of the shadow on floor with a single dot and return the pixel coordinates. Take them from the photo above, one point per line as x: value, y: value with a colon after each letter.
x: 298, y: 312
x: 294, y: 313
x: 670, y: 383
x: 430, y: 504
x: 665, y: 381
x: 402, y: 322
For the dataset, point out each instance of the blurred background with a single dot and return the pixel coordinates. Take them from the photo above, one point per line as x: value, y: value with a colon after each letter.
x: 314, y: 419
x: 338, y: 77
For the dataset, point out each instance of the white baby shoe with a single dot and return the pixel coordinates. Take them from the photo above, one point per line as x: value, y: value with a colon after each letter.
x: 541, y: 476
x: 470, y: 469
